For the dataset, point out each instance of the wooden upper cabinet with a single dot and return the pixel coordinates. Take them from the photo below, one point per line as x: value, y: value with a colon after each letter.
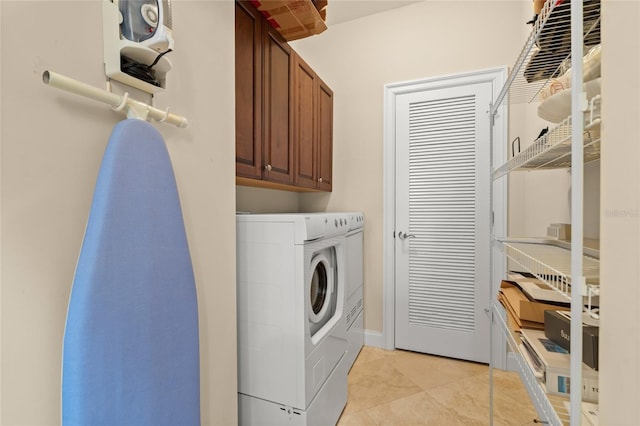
x: 313, y: 128
x: 249, y: 39
x: 277, y: 110
x: 305, y: 131
x: 325, y: 137
x: 284, y: 115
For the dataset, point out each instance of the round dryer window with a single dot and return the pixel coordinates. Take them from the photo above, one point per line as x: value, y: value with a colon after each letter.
x: 320, y: 288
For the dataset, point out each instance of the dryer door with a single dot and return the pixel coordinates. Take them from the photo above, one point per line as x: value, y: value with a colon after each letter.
x: 321, y: 289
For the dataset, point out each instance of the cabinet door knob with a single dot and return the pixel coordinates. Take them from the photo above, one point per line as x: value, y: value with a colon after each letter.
x: 268, y: 167
x: 320, y: 180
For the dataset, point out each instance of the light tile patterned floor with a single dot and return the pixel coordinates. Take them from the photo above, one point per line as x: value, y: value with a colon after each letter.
x: 407, y: 388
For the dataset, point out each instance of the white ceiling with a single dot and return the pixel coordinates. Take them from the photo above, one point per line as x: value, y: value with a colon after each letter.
x: 346, y: 10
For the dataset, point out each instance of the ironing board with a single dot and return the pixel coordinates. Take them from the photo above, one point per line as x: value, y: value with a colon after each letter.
x: 130, y: 353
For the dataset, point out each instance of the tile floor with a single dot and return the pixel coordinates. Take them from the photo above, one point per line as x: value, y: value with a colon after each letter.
x: 407, y: 388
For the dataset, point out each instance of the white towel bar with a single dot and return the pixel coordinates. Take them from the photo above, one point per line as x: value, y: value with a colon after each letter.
x: 133, y: 108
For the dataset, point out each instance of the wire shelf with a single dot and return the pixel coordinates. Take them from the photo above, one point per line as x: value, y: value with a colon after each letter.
x: 553, y: 149
x: 550, y: 407
x: 552, y: 265
x: 546, y: 56
x: 547, y: 49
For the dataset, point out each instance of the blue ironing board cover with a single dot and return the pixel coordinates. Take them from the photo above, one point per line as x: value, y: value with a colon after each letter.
x: 130, y: 353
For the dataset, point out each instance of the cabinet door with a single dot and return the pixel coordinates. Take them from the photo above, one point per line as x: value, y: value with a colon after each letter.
x: 305, y: 131
x: 248, y: 91
x: 277, y: 114
x: 325, y: 136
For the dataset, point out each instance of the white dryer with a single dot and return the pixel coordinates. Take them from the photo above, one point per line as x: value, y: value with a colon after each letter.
x: 291, y: 277
x: 354, y: 311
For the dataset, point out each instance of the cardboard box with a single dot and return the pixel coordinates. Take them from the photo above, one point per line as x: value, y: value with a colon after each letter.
x: 523, y: 307
x: 514, y: 322
x: 559, y: 231
x: 558, y: 382
x: 554, y: 363
x: 538, y: 290
x: 294, y: 19
x: 557, y: 327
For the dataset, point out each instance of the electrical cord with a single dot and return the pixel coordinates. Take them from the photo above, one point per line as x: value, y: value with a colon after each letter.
x: 141, y: 71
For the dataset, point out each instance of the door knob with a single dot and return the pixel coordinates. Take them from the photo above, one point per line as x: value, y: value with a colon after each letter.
x: 268, y: 167
x: 320, y: 180
x: 404, y: 236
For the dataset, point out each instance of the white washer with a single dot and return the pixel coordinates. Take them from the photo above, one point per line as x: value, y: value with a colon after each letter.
x: 354, y: 316
x: 291, y: 284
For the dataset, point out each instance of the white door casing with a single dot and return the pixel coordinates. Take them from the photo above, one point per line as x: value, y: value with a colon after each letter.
x: 437, y: 175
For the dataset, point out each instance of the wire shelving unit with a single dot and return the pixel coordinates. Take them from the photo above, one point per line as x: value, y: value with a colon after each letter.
x: 561, y: 34
x: 553, y: 149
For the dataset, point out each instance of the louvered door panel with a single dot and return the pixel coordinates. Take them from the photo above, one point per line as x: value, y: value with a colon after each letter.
x: 441, y: 152
x: 442, y: 180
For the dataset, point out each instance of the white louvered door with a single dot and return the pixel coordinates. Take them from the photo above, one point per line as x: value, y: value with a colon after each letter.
x: 442, y: 221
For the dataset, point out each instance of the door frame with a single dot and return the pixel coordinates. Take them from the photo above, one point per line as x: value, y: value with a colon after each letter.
x: 498, y: 148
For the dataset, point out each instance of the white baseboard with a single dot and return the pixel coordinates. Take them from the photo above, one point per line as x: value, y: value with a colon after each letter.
x: 373, y: 338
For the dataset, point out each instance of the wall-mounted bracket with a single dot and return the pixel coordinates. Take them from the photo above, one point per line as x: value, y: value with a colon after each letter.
x: 115, y: 47
x: 131, y: 107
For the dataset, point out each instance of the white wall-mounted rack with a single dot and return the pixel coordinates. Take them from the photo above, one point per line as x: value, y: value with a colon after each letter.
x: 124, y: 104
x: 550, y: 407
x: 553, y: 149
x: 552, y: 265
x: 535, y: 65
x: 562, y: 31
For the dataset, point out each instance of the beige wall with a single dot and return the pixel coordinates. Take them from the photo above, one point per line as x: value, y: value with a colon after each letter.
x: 52, y: 145
x: 620, y: 221
x: 358, y: 58
x: 259, y: 200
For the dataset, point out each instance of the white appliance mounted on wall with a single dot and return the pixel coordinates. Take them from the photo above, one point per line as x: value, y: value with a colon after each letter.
x: 137, y: 34
x: 292, y: 338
